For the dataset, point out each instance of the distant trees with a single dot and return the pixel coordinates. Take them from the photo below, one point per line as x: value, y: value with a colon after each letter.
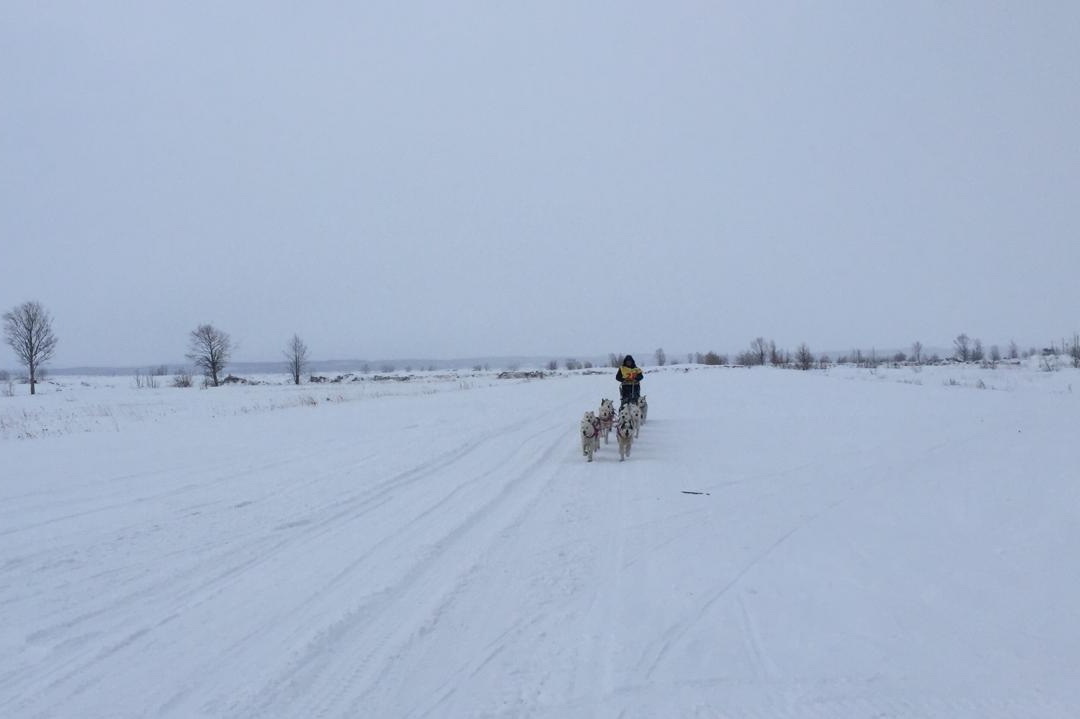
x: 967, y: 349
x: 296, y: 357
x: 28, y: 331
x: 962, y: 343
x: 661, y: 357
x: 749, y: 358
x: 777, y: 357
x: 760, y: 350
x: 917, y: 352
x: 804, y: 358
x: 210, y: 349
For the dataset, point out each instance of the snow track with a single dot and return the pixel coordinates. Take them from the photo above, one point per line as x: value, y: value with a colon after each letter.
x: 453, y: 555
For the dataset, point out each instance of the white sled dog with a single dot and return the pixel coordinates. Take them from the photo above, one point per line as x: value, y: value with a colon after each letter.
x: 607, y: 418
x: 644, y: 407
x: 624, y: 433
x: 589, y: 435
x: 635, y: 418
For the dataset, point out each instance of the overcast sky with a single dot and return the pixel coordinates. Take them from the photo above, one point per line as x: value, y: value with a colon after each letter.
x: 453, y: 179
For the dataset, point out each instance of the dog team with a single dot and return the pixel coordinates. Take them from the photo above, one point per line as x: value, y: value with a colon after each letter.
x: 626, y: 423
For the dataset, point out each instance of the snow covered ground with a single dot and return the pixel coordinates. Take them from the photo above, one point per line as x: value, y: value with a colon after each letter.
x: 834, y: 544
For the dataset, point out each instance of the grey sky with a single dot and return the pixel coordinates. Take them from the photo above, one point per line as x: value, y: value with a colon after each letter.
x: 558, y: 178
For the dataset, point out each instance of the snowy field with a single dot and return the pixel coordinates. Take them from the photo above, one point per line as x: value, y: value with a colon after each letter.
x: 840, y: 544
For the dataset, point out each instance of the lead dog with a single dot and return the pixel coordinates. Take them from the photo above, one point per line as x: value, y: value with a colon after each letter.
x: 589, y: 435
x: 644, y: 406
x: 607, y: 418
x: 624, y: 433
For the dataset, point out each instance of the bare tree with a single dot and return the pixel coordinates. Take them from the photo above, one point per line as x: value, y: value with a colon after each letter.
x: 977, y: 352
x: 1014, y: 350
x: 661, y: 357
x: 28, y: 330
x: 804, y: 358
x: 296, y: 357
x: 963, y: 347
x: 916, y: 352
x: 760, y: 349
x: 776, y: 356
x: 746, y: 359
x: 209, y: 348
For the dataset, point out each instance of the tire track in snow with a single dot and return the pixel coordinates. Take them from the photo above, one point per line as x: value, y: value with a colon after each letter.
x: 612, y: 589
x: 92, y: 488
x: 763, y: 665
x: 675, y: 633
x: 413, y: 475
x: 884, y: 473
x: 224, y: 573
x: 389, y: 598
x: 318, y: 666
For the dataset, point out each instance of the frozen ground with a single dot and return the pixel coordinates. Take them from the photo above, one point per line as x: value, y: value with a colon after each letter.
x: 888, y: 544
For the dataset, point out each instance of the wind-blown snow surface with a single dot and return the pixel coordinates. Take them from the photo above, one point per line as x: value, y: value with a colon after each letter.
x: 897, y: 544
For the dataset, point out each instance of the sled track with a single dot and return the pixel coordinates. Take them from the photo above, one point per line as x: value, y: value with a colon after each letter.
x: 326, y: 685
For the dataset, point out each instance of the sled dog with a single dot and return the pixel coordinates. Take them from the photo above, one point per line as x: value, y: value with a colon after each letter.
x: 635, y: 418
x: 607, y: 418
x: 589, y: 435
x: 624, y: 433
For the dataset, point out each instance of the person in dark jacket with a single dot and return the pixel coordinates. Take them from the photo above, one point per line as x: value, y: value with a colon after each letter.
x: 629, y: 376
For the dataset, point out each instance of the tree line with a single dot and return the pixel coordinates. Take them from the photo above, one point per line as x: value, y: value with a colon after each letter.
x: 28, y: 330
x: 966, y: 349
